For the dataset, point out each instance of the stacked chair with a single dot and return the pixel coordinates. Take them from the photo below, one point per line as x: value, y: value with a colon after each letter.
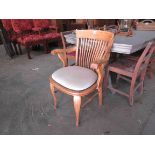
x: 11, y: 34
x: 28, y: 32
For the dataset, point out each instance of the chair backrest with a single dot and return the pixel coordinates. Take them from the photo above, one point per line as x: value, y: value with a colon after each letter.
x: 144, y: 59
x: 21, y: 25
x: 42, y: 23
x: 7, y: 24
x: 93, y: 45
x: 65, y: 36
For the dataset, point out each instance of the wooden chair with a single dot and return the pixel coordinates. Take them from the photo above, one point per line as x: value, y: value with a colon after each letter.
x: 67, y: 45
x: 131, y: 71
x: 151, y: 66
x: 92, y: 54
x: 150, y: 69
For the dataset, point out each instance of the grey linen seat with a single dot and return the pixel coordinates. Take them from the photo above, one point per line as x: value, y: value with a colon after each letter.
x: 75, y: 77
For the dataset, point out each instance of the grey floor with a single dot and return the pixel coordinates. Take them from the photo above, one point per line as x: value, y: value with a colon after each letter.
x: 26, y: 106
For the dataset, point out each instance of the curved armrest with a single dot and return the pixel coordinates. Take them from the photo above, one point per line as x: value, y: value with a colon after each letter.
x: 58, y: 51
x: 62, y: 54
x: 98, y: 66
x: 63, y: 51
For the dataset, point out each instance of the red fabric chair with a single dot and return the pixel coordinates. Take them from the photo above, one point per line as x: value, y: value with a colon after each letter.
x: 22, y: 26
x: 42, y: 24
x: 11, y: 34
x: 29, y: 37
x: 44, y: 27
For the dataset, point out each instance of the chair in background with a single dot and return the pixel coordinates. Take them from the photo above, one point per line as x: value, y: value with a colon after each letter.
x: 67, y: 44
x: 44, y: 24
x: 92, y: 54
x: 12, y: 36
x: 151, y: 66
x: 131, y: 71
x: 29, y: 37
x: 150, y: 69
x: 44, y: 27
x: 7, y: 43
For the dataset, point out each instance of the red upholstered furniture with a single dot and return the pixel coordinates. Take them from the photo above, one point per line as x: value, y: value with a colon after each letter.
x: 44, y: 27
x: 22, y: 25
x: 43, y: 24
x: 29, y: 36
x: 11, y: 34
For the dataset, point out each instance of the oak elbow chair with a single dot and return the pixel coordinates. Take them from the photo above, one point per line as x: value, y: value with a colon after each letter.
x: 92, y: 54
x: 132, y: 71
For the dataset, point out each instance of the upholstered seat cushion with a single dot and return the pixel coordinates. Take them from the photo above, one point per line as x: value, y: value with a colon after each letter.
x: 30, y: 39
x: 52, y: 35
x: 75, y: 77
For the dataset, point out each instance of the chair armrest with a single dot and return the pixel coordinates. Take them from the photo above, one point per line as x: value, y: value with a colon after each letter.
x: 63, y: 51
x: 62, y: 54
x: 58, y: 51
x: 98, y: 66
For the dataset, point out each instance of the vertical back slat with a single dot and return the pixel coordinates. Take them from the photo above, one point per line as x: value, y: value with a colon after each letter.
x: 91, y: 47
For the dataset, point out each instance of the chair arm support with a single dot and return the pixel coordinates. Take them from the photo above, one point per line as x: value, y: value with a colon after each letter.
x: 62, y: 54
x: 98, y: 66
x: 63, y: 51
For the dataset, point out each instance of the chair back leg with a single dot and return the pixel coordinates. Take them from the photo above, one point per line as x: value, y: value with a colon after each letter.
x: 132, y: 90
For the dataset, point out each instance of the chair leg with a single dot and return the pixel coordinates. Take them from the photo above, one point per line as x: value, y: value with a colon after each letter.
x: 15, y: 47
x: 141, y: 88
x: 100, y: 96
x: 151, y: 70
x: 20, y: 50
x: 46, y: 47
x: 131, y: 94
x: 106, y: 82
x: 54, y: 96
x: 117, y: 79
x: 77, y: 105
x: 28, y: 53
x: 131, y: 100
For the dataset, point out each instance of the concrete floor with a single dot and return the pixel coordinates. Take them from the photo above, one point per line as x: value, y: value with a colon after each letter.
x: 26, y: 105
